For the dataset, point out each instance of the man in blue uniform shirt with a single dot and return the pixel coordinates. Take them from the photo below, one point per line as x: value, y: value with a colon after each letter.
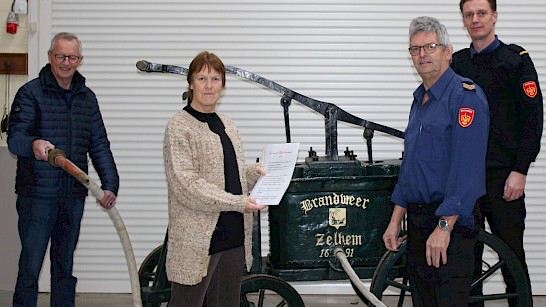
x: 442, y: 173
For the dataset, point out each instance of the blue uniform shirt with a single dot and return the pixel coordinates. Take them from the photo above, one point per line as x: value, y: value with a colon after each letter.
x: 445, y: 144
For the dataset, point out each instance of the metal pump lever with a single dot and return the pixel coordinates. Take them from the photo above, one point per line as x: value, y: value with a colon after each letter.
x: 331, y: 112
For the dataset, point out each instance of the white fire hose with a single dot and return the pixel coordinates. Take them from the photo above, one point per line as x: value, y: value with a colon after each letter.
x: 57, y: 158
x: 340, y: 255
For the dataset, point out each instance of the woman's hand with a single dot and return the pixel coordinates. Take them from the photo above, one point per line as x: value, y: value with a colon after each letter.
x: 252, y: 206
x: 260, y: 169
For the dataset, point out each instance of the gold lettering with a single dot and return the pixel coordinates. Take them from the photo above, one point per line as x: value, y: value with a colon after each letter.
x: 338, y: 238
x: 358, y: 202
x: 333, y: 200
x: 336, y: 199
x: 306, y: 205
x: 320, y: 239
x: 365, y: 205
x: 322, y: 201
x: 329, y: 240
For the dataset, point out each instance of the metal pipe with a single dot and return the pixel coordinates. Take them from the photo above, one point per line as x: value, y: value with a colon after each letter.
x: 331, y: 112
x: 57, y: 158
x: 340, y: 255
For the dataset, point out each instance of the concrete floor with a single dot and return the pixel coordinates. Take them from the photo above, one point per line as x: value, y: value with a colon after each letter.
x: 125, y: 300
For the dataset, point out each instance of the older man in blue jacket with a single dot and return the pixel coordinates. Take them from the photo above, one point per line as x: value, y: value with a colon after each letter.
x: 55, y: 110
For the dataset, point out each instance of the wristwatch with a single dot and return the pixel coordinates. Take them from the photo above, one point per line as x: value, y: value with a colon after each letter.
x: 444, y: 225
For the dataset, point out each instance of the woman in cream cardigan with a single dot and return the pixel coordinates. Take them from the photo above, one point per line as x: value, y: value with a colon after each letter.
x: 210, y: 212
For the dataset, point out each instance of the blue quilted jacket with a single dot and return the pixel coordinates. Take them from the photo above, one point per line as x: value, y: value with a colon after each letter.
x: 41, y: 110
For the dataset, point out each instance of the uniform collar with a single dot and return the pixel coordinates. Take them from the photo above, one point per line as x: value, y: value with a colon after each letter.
x: 494, y: 44
x: 436, y: 90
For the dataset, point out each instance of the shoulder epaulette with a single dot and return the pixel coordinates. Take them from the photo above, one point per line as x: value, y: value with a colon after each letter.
x: 518, y: 49
x: 469, y: 86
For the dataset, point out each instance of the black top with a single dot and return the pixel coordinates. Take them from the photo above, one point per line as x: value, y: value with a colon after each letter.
x: 510, y: 81
x: 229, y: 232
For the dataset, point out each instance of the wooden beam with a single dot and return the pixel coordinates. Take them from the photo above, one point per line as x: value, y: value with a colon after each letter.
x: 14, y: 63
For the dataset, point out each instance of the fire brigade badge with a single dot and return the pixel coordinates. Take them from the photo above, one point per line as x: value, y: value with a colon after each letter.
x: 530, y: 89
x: 338, y: 217
x: 466, y: 116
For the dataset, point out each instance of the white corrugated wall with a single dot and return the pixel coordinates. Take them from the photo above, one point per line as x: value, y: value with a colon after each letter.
x: 352, y: 53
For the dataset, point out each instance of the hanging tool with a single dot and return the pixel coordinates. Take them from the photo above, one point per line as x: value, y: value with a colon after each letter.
x: 5, y: 117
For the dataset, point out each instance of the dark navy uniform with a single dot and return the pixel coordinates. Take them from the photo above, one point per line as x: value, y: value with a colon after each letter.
x: 509, y: 78
x: 443, y: 174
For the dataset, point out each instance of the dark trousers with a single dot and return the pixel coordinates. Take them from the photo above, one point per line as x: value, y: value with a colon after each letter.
x: 507, y: 222
x: 40, y: 220
x: 448, y: 285
x: 220, y: 288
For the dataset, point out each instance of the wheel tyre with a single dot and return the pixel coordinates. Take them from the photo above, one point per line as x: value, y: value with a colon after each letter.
x: 259, y: 283
x: 391, y: 268
x: 508, y: 259
x: 147, y: 272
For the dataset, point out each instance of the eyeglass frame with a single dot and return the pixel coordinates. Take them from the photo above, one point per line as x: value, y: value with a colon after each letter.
x: 73, y: 59
x: 432, y: 49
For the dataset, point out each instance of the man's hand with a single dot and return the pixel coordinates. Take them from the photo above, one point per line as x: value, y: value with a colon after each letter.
x: 514, y: 186
x: 108, y: 200
x: 436, y: 245
x: 391, y: 236
x: 40, y: 147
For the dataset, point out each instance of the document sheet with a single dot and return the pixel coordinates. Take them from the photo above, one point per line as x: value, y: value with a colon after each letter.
x: 279, y: 161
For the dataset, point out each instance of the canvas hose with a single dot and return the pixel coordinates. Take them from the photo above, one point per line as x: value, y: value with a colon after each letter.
x: 57, y: 158
x: 342, y: 257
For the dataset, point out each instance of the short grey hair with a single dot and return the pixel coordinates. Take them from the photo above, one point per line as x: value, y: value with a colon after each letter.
x: 429, y: 24
x: 64, y: 35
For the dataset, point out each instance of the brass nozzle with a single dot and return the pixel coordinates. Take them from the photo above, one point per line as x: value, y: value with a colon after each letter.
x: 52, y: 154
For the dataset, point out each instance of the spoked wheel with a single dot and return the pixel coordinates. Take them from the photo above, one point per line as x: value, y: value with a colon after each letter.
x: 259, y: 290
x: 390, y: 272
x: 154, y: 286
x: 148, y: 269
x: 506, y: 259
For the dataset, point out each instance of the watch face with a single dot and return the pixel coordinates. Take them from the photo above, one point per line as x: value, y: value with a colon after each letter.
x: 443, y: 224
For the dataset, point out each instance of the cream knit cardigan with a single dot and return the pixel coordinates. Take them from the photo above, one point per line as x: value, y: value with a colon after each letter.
x: 194, y: 167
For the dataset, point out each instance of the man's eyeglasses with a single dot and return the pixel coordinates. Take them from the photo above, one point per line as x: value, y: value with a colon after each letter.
x: 428, y: 48
x: 71, y: 58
